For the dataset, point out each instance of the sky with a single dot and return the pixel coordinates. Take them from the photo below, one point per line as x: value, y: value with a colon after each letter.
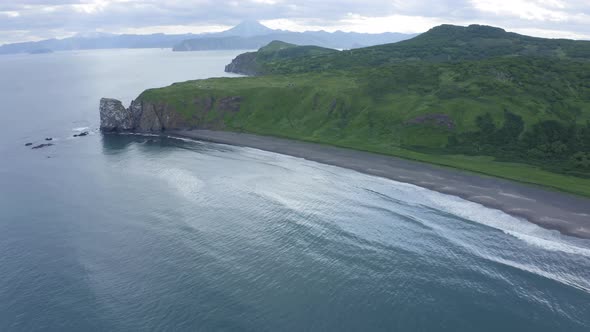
x: 27, y: 20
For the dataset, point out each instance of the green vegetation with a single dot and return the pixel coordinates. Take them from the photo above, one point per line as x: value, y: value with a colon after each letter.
x: 255, y: 63
x: 445, y: 43
x: 516, y: 116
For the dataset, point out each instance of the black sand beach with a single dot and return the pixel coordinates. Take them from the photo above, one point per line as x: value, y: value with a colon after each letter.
x: 566, y: 213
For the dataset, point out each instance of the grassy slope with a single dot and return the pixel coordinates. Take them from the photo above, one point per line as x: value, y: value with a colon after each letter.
x: 441, y: 44
x: 368, y: 109
x: 256, y: 62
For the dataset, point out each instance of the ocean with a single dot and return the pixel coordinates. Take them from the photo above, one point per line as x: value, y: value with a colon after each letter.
x: 152, y: 233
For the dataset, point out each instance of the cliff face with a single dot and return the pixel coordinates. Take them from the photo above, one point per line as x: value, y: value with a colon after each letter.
x: 143, y: 116
x: 140, y: 116
x: 113, y: 116
x: 244, y: 64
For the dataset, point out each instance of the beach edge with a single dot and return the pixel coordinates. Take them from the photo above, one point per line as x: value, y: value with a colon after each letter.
x: 563, y: 212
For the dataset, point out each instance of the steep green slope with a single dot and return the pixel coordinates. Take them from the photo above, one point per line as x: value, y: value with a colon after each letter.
x: 497, y: 103
x: 445, y: 43
x: 255, y: 63
x: 432, y: 109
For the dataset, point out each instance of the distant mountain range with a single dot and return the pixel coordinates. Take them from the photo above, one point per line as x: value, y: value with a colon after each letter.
x: 253, y: 35
x: 246, y: 35
x: 102, y: 41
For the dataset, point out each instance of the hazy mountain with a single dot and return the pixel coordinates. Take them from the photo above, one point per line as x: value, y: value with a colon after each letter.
x: 246, y: 35
x: 101, y: 41
x: 247, y: 28
x: 253, y: 35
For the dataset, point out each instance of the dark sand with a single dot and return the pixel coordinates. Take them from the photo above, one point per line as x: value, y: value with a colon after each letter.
x: 566, y: 213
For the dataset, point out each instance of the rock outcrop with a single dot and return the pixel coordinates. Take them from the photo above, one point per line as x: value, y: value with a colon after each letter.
x: 114, y: 116
x: 41, y: 146
x: 142, y: 116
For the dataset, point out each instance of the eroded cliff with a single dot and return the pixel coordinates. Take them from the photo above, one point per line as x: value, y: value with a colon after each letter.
x: 144, y: 116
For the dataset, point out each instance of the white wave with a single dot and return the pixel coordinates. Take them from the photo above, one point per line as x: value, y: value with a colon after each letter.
x: 483, y: 197
x: 516, y: 196
x: 186, y: 183
x: 516, y: 227
x: 519, y: 228
x: 565, y: 279
x: 188, y: 140
x: 551, y: 244
x: 80, y: 129
x: 140, y: 134
x: 519, y: 210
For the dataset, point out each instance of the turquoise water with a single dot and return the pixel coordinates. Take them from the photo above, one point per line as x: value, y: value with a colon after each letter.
x: 135, y: 233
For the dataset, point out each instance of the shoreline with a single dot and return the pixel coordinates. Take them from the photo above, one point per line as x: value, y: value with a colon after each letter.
x: 563, y: 212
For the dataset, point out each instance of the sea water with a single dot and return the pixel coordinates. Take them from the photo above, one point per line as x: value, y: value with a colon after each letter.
x: 140, y: 233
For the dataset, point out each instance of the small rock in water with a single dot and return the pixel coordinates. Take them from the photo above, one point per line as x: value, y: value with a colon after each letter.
x: 42, y: 146
x: 82, y: 134
x: 28, y: 144
x: 49, y: 139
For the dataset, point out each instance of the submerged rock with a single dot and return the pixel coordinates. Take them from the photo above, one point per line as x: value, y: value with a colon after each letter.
x: 49, y: 139
x: 28, y: 144
x: 81, y: 134
x: 40, y: 146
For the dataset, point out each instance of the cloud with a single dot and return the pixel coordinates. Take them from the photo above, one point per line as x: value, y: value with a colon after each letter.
x: 36, y: 19
x: 552, y: 10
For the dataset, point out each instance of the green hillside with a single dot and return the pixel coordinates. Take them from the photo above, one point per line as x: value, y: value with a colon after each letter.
x: 255, y: 63
x: 445, y: 43
x: 516, y: 116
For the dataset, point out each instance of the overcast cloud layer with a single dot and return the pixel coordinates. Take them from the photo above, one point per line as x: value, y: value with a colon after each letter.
x: 23, y: 20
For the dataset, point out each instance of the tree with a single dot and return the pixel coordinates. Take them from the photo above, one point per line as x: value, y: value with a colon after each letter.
x: 555, y: 139
x: 581, y: 160
x: 583, y: 137
x: 487, y: 128
x: 511, y: 129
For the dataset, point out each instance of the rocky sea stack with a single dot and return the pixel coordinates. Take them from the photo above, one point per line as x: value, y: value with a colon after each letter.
x: 144, y: 116
x: 140, y: 117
